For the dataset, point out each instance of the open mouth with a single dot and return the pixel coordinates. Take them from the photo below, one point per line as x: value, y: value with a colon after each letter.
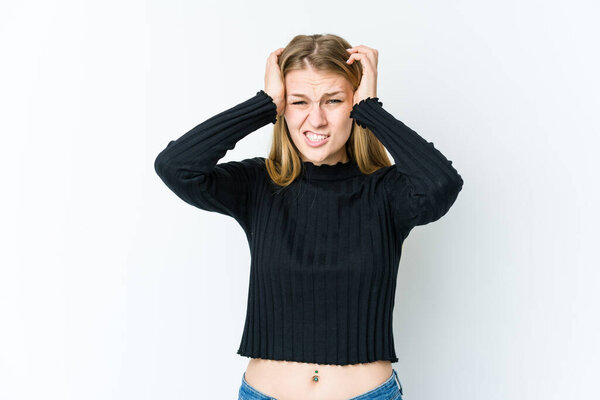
x: 315, y: 139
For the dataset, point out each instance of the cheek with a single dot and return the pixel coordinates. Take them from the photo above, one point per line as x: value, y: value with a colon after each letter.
x: 293, y: 119
x: 342, y: 120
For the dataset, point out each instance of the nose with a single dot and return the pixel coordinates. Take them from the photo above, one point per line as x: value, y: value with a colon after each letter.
x: 316, y: 116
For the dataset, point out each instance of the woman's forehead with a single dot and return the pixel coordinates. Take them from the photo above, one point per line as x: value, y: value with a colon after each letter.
x: 302, y: 83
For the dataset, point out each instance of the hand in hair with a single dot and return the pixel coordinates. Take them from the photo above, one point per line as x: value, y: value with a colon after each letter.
x: 368, y: 60
x: 274, y: 84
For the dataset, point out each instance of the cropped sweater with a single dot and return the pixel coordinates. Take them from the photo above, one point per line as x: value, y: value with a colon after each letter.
x: 325, y: 250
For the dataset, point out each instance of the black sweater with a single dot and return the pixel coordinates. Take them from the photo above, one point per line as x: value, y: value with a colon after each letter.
x: 325, y: 250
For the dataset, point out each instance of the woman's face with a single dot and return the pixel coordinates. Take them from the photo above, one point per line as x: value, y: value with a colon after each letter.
x: 320, y: 103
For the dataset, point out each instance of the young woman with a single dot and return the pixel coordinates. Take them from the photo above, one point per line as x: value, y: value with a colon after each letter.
x: 325, y: 215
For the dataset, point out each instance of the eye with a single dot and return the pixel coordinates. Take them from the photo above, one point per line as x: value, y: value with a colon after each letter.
x: 299, y: 102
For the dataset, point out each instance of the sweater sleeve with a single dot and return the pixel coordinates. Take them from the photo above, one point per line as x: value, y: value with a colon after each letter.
x: 188, y: 165
x: 423, y: 184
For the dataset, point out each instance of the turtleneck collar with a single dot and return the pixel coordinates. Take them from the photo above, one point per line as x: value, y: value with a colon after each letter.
x: 336, y: 171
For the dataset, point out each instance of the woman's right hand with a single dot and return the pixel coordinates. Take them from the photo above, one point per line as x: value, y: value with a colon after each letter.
x: 274, y: 84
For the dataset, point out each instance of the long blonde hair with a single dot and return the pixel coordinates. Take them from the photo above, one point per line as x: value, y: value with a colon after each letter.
x: 326, y: 53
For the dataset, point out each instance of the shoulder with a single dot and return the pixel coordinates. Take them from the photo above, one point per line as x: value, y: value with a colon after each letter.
x: 254, y: 163
x: 253, y: 168
x: 243, y: 170
x: 383, y: 173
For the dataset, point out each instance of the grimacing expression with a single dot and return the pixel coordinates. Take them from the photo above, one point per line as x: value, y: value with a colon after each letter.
x: 320, y: 103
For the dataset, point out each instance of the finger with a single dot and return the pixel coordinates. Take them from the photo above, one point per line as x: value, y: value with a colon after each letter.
x: 361, y: 48
x: 276, y: 53
x: 364, y: 60
x: 355, y: 56
x: 273, y: 57
x: 371, y: 53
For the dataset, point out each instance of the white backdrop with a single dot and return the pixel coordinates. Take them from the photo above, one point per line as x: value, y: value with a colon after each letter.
x: 111, y: 287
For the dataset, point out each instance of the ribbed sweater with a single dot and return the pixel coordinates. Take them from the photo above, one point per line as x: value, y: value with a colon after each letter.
x: 325, y: 250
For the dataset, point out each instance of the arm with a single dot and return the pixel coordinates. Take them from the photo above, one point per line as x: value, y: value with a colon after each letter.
x: 188, y: 165
x: 423, y: 184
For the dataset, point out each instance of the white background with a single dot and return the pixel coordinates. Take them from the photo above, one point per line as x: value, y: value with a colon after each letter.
x: 111, y: 287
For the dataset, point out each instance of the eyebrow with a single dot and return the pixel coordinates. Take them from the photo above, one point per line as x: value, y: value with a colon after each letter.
x: 324, y: 95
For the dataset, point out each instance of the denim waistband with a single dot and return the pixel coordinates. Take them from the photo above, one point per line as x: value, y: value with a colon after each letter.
x: 384, y: 391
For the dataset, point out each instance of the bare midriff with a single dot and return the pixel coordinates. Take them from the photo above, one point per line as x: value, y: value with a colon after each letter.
x: 290, y: 380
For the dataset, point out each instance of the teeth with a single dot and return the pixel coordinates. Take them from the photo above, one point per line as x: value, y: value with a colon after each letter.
x: 315, y: 137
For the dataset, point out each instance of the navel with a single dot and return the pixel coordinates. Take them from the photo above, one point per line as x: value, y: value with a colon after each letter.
x: 315, y: 378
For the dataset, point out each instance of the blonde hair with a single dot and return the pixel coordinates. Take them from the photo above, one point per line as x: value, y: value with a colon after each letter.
x: 326, y: 53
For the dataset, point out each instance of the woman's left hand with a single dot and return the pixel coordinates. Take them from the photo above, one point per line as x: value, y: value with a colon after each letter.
x: 368, y: 59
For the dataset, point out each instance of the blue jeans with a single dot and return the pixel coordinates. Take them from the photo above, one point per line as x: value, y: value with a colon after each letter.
x: 388, y: 390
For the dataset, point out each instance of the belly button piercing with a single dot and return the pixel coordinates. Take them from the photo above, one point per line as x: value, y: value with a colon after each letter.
x: 315, y: 377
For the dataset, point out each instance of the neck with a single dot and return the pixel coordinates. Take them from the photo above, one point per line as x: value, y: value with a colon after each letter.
x: 339, y: 170
x: 341, y: 157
